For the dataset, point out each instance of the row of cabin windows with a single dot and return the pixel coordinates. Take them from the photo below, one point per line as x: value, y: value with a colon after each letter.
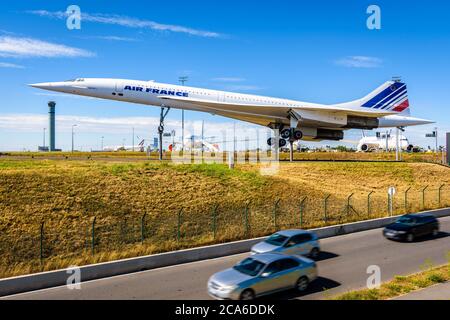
x: 226, y: 96
x: 260, y: 100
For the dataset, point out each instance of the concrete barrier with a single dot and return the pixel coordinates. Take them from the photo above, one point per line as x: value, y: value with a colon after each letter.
x: 50, y: 279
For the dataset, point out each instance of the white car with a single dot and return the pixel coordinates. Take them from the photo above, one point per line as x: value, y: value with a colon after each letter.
x: 262, y: 274
x: 294, y: 241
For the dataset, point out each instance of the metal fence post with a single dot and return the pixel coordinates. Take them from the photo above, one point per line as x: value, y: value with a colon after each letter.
x: 179, y: 224
x: 275, y: 207
x: 406, y: 199
x: 302, y: 207
x: 368, y: 204
x: 423, y: 196
x: 439, y: 194
x: 214, y: 220
x: 93, y: 236
x: 388, y: 204
x: 325, y: 202
x: 348, y: 203
x: 143, y: 228
x: 41, y: 241
x: 247, y: 224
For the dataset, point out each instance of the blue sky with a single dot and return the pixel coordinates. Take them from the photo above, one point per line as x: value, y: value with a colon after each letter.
x: 304, y: 50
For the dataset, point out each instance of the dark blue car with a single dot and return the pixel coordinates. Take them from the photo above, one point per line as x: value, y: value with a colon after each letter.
x: 411, y: 226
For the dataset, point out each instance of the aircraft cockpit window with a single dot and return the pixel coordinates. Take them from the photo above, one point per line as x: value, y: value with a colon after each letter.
x: 79, y: 80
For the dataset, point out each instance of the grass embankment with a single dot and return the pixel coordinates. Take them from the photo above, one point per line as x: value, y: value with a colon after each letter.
x: 67, y: 195
x: 306, y: 156
x: 402, y: 285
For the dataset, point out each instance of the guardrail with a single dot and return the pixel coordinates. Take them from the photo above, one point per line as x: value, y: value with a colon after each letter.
x: 49, y: 279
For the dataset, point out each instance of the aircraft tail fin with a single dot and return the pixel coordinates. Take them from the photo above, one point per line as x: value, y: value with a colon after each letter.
x: 391, y: 96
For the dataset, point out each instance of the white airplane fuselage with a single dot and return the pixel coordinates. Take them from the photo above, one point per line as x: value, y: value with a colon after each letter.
x: 367, y: 144
x: 312, y: 118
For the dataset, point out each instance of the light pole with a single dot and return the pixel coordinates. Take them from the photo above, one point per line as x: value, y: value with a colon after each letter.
x: 182, y: 79
x: 132, y: 142
x: 436, y: 139
x: 73, y: 126
x: 44, y: 138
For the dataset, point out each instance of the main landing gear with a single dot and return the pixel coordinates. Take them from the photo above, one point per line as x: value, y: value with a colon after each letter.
x: 287, y: 134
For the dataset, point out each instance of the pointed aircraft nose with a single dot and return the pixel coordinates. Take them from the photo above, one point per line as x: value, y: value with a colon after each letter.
x: 42, y: 85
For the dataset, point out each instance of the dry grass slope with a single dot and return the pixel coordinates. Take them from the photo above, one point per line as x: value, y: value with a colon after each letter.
x: 67, y: 195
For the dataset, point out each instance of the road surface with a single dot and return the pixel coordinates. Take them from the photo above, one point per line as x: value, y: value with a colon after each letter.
x: 437, y: 292
x: 342, y: 267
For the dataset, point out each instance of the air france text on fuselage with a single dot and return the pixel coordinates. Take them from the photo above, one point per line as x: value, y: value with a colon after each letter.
x: 157, y: 91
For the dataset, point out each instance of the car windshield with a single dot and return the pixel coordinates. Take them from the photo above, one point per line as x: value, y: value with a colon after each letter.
x: 249, y: 266
x: 276, y: 239
x: 407, y: 220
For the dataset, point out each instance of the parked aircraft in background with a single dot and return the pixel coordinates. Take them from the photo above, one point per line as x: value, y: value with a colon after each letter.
x: 386, y: 106
x: 384, y: 141
x: 139, y: 147
x: 195, y: 144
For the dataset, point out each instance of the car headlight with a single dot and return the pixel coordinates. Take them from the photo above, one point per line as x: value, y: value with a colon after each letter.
x: 228, y: 288
x: 401, y: 232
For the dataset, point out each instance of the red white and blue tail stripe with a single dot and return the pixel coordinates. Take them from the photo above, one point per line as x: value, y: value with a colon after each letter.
x: 391, y: 96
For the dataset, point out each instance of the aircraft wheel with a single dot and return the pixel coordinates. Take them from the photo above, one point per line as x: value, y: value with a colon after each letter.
x: 364, y: 148
x: 271, y: 141
x: 298, y: 134
x: 285, y: 133
x: 282, y: 143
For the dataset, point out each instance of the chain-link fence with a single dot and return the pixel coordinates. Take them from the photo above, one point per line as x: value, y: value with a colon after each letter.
x: 127, y: 234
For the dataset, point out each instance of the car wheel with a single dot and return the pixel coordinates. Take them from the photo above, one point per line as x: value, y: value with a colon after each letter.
x: 314, y: 254
x: 410, y: 237
x: 302, y: 284
x: 247, y: 294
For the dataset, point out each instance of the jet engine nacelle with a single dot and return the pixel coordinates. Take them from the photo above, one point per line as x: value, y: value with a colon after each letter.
x: 327, y: 134
x: 362, y: 122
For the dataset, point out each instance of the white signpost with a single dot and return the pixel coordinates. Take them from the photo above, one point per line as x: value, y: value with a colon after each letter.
x: 391, y: 192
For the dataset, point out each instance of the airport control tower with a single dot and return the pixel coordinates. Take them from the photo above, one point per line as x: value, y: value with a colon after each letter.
x: 51, y: 124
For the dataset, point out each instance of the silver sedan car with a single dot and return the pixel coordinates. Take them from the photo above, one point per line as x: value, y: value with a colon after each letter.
x: 294, y: 241
x: 262, y: 274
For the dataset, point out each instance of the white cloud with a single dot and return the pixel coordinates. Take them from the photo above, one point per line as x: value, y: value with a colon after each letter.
x: 129, y: 22
x: 25, y: 130
x: 11, y: 65
x: 113, y: 125
x: 360, y: 62
x: 28, y: 47
x: 228, y: 79
x: 243, y: 87
x: 110, y: 38
x: 64, y: 95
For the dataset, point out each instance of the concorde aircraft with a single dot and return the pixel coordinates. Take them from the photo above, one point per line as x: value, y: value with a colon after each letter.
x: 386, y: 106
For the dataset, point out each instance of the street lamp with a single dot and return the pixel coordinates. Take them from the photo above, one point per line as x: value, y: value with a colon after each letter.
x: 182, y: 79
x: 73, y: 126
x: 132, y: 141
x: 44, y: 138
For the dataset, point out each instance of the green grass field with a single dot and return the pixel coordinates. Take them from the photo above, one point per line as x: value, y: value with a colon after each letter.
x: 401, y: 285
x: 136, y: 204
